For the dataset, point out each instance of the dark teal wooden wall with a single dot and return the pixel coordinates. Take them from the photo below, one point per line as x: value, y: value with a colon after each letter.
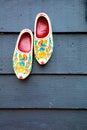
x: 54, y: 96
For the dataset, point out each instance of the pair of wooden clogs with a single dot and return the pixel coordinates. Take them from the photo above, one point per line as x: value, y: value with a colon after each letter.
x: 43, y: 46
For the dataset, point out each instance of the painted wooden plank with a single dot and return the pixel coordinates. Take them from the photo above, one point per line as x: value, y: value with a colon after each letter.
x: 43, y: 120
x: 43, y: 91
x: 66, y: 15
x: 69, y: 56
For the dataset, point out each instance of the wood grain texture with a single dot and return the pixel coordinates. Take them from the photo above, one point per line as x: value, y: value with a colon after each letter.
x: 43, y: 91
x: 66, y: 16
x: 43, y: 120
x: 69, y: 56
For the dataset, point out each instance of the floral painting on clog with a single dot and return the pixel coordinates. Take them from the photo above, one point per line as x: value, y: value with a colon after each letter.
x: 22, y: 64
x: 22, y: 57
x: 43, y: 49
x: 43, y: 38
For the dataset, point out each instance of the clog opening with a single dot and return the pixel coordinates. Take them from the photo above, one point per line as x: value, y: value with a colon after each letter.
x: 42, y: 27
x: 25, y: 42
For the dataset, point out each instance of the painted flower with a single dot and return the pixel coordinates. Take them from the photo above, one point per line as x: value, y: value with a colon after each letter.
x: 16, y: 53
x: 42, y: 54
x: 15, y: 68
x: 43, y: 45
x: 48, y: 54
x: 28, y: 63
x: 20, y: 56
x: 20, y: 69
x: 36, y: 47
x: 49, y: 47
x: 25, y: 56
x: 42, y: 49
x: 45, y: 41
x: 40, y: 42
x: 42, y: 63
x: 22, y: 64
x: 17, y: 63
x: 15, y: 59
x: 26, y: 70
x: 47, y: 50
